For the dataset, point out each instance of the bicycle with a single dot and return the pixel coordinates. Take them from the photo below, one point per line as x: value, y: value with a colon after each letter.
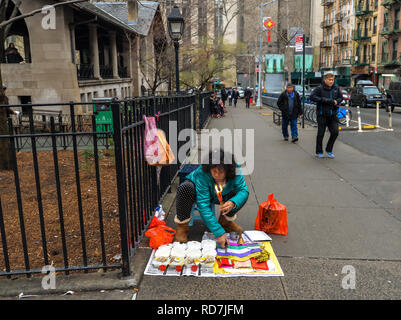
x: 342, y: 115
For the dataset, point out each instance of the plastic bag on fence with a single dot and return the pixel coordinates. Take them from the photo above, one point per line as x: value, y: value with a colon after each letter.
x: 156, y: 148
x: 272, y: 217
x: 160, y: 235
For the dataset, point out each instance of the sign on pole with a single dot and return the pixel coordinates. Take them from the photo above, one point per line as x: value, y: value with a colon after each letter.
x: 299, y: 39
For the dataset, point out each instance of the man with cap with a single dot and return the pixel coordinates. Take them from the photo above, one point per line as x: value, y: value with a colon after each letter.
x: 327, y: 97
x: 289, y: 103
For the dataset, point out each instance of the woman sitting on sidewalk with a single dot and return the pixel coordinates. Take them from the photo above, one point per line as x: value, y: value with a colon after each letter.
x: 199, y: 188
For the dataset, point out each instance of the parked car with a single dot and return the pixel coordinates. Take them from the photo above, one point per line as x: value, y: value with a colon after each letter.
x: 394, y: 95
x: 363, y: 83
x: 241, y: 92
x: 367, y: 96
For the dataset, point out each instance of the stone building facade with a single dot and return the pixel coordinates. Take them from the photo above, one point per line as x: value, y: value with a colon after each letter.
x: 92, y: 52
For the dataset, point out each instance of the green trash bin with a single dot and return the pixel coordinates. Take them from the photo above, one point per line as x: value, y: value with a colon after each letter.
x: 103, y: 113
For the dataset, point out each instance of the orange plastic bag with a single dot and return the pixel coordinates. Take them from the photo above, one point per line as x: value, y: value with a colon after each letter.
x: 272, y: 217
x: 156, y: 222
x: 160, y: 235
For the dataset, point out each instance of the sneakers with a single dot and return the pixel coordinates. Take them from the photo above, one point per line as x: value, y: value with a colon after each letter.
x: 330, y: 155
x: 294, y: 139
x: 285, y: 138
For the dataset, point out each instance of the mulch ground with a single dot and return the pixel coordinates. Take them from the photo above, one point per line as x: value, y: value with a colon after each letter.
x: 51, y: 210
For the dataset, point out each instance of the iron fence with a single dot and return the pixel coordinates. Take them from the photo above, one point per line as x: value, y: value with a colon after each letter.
x: 309, y: 112
x: 54, y: 208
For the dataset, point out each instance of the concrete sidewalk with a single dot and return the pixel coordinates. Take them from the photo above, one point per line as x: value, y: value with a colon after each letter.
x: 335, y: 218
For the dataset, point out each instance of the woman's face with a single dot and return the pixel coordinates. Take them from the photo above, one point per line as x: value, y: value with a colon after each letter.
x: 218, y: 173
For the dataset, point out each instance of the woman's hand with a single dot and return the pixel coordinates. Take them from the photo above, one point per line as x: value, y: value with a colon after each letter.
x: 222, y: 241
x: 227, y: 207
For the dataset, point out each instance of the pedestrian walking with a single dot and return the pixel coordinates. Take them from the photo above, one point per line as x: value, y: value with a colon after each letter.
x: 219, y: 168
x: 327, y: 97
x: 248, y: 96
x: 290, y: 106
x: 224, y: 96
x: 230, y: 97
x: 235, y: 97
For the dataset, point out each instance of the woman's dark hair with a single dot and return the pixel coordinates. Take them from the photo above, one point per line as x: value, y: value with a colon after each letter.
x: 223, y: 160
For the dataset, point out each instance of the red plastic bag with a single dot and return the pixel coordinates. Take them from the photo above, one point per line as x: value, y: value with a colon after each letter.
x: 156, y: 222
x: 272, y: 217
x: 160, y: 235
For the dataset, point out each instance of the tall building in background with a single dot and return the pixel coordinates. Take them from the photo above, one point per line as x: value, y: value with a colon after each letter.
x: 388, y: 48
x: 337, y: 44
x: 365, y: 40
x: 292, y: 17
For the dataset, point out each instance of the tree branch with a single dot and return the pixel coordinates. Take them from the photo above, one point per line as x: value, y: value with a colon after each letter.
x: 32, y: 13
x: 13, y: 15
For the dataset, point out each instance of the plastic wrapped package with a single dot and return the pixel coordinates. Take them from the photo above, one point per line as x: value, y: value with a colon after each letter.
x: 194, y: 245
x: 192, y: 256
x: 163, y: 253
x: 179, y: 245
x: 208, y: 244
x: 208, y: 255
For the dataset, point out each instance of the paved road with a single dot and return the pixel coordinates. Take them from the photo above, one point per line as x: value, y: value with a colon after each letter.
x: 379, y: 143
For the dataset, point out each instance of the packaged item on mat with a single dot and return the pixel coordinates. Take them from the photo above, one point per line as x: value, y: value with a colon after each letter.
x: 194, y: 245
x: 225, y: 263
x: 242, y: 264
x: 208, y: 244
x: 272, y: 217
x: 259, y: 265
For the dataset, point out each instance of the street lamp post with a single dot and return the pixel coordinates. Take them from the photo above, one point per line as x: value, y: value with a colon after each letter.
x: 262, y: 5
x: 176, y: 30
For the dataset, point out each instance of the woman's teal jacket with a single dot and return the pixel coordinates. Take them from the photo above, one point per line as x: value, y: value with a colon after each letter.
x: 206, y: 196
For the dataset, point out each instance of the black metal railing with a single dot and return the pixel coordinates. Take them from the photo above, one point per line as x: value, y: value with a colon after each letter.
x: 123, y: 72
x: 106, y: 72
x: 87, y: 208
x: 85, y: 71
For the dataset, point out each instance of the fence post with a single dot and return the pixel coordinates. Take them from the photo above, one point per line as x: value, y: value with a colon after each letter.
x: 359, y: 119
x: 377, y: 113
x: 390, y: 119
x: 121, y: 189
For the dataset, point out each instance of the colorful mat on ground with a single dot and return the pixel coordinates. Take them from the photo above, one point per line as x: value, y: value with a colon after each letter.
x: 235, y: 255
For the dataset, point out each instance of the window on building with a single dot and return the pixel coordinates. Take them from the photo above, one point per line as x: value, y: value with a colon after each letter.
x: 83, y: 97
x: 395, y: 47
x: 397, y: 19
x: 373, y: 55
x: 106, y: 93
x: 374, y: 25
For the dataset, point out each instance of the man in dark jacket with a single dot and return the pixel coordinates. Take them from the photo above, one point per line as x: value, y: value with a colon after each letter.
x: 224, y: 96
x: 248, y: 96
x: 235, y: 96
x: 327, y: 97
x: 289, y: 103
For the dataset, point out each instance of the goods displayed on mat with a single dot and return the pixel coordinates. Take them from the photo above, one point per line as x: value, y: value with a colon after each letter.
x: 209, y: 259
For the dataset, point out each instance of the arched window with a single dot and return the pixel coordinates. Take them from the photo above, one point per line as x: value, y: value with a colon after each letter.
x: 16, y: 45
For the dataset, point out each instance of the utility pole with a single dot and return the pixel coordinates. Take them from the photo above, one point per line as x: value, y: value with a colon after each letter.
x: 258, y: 104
